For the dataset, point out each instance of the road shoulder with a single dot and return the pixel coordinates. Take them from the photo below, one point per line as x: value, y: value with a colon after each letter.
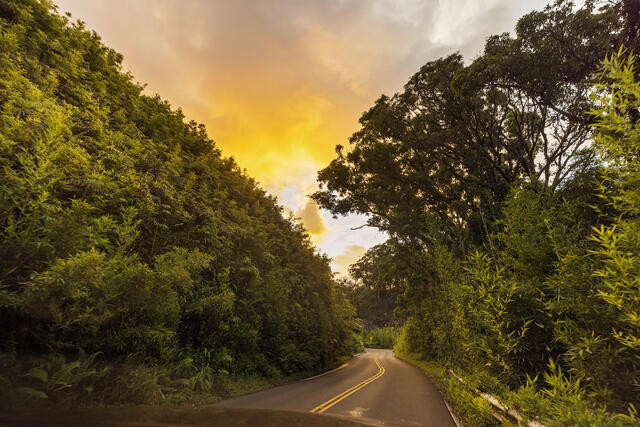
x: 464, y: 407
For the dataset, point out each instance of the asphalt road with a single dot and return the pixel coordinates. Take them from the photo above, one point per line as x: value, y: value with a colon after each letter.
x: 372, y: 388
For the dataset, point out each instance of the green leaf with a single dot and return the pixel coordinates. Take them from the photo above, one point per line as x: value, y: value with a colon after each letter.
x: 28, y: 391
x: 39, y: 373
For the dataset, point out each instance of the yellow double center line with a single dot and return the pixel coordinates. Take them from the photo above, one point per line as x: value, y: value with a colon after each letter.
x: 329, y: 403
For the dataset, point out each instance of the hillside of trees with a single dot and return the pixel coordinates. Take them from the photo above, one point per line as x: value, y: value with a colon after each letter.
x: 136, y: 263
x: 510, y: 188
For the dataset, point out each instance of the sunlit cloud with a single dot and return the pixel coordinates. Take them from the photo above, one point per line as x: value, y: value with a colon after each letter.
x: 351, y: 254
x: 311, y: 219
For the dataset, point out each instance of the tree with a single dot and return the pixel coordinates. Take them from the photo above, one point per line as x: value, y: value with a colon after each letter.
x: 597, y: 289
x: 377, y: 281
x: 442, y: 154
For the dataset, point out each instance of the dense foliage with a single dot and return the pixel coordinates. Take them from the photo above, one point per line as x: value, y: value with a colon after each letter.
x: 372, y: 285
x: 509, y: 187
x: 128, y: 237
x: 384, y: 337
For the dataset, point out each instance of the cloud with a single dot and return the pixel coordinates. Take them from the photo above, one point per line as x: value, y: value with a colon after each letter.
x: 311, y: 219
x: 352, y: 254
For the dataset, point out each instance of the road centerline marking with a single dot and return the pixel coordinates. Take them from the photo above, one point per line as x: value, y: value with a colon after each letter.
x: 334, y: 400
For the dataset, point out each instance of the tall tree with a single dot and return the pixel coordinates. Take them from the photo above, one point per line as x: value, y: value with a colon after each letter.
x: 442, y: 154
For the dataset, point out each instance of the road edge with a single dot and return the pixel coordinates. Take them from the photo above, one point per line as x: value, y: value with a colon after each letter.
x: 464, y: 411
x: 454, y: 416
x: 271, y: 383
x: 344, y: 365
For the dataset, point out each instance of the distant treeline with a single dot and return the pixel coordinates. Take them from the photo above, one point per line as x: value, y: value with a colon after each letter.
x: 510, y: 187
x: 127, y: 238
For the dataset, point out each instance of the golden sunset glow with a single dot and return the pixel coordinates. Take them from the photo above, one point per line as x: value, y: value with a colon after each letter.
x: 280, y: 83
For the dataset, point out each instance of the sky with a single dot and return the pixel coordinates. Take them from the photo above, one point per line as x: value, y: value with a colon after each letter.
x: 280, y: 83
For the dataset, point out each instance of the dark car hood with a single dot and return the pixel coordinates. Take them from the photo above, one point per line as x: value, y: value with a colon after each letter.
x: 155, y: 416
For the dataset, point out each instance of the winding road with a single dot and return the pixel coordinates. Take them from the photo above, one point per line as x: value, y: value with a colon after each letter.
x: 373, y: 388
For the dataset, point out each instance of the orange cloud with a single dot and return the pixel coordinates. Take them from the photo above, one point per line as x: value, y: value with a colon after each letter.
x: 311, y: 219
x: 352, y: 254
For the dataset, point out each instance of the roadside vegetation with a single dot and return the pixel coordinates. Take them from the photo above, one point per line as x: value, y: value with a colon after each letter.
x: 466, y: 405
x: 509, y: 187
x: 138, y: 265
x: 384, y: 337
